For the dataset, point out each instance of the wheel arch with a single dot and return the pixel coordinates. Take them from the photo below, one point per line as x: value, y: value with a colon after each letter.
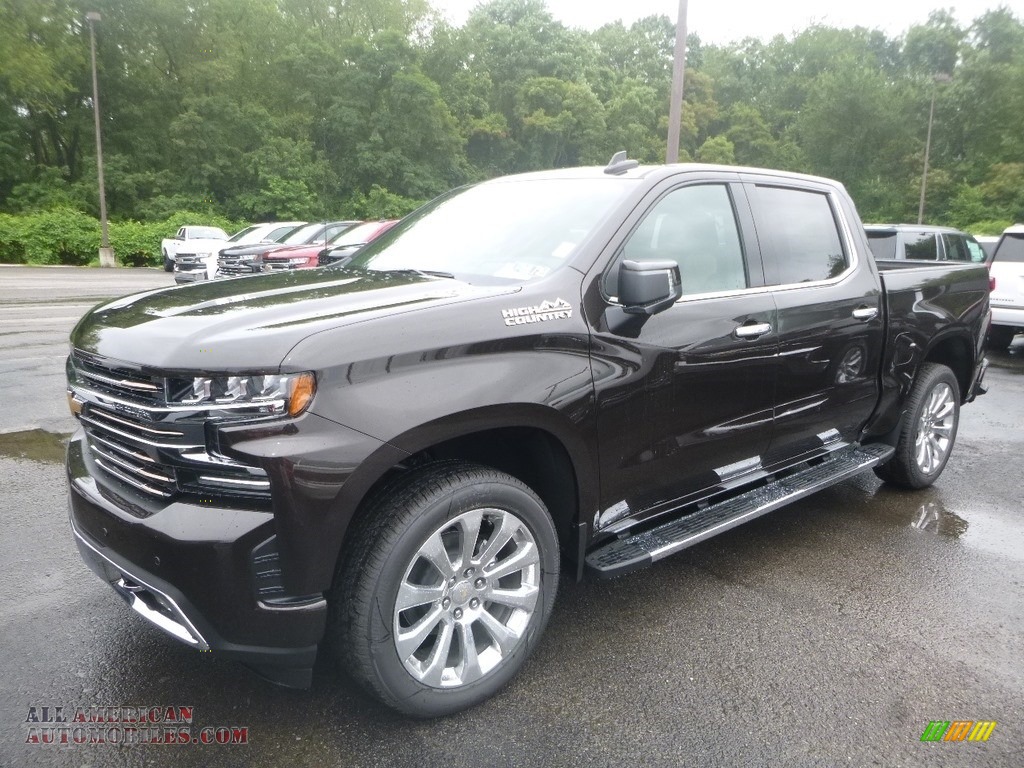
x: 953, y: 350
x: 535, y: 444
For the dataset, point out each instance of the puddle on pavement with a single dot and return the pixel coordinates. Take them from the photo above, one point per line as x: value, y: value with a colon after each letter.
x: 35, y: 445
x: 984, y: 527
x: 935, y: 518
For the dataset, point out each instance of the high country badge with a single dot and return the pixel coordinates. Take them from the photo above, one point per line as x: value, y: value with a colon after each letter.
x: 559, y: 309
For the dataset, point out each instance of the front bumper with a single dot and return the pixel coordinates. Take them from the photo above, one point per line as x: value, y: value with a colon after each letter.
x: 190, y: 276
x: 193, y: 570
x: 1011, y: 316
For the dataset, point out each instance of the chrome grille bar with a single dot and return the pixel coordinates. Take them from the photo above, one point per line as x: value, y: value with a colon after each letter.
x: 150, y: 473
x: 141, y: 386
x: 124, y: 449
x: 142, y: 486
x: 135, y: 438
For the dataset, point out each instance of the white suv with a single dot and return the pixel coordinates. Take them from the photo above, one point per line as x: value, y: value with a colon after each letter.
x: 1007, y: 298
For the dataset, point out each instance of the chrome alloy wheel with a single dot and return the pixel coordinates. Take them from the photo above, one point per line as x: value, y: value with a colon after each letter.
x: 935, y: 429
x: 466, y: 599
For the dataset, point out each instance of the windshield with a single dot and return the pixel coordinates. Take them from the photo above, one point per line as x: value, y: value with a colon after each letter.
x: 1010, y: 248
x: 356, y: 235
x: 278, y: 235
x: 882, y: 244
x: 512, y: 230
x: 209, y: 233
x: 239, y: 237
x: 302, y: 235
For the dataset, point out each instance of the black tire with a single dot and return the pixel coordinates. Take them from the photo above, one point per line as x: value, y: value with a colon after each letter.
x: 168, y: 263
x: 384, y: 547
x: 1000, y: 336
x: 906, y: 468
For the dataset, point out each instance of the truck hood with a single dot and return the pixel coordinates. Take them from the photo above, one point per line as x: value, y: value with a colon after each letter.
x: 250, y: 323
x: 252, y: 249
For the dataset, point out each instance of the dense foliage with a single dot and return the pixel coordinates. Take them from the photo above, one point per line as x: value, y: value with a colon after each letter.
x: 259, y: 109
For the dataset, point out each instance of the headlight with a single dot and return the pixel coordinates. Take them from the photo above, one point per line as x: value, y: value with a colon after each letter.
x: 269, y: 394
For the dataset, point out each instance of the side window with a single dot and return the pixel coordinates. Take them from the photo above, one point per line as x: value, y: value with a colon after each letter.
x: 956, y: 248
x: 695, y: 227
x: 801, y: 233
x: 180, y: 235
x: 921, y: 246
x: 974, y: 250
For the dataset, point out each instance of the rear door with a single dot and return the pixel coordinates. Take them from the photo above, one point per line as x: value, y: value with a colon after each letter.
x: 685, y: 396
x: 830, y: 324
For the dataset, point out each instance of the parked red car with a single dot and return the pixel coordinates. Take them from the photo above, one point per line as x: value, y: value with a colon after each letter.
x: 344, y: 247
x: 302, y: 256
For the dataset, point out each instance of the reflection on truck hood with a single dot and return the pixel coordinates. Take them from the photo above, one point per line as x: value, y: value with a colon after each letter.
x: 251, y: 323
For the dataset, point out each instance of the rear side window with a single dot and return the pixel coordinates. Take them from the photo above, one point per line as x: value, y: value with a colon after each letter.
x: 921, y: 246
x: 882, y: 244
x: 956, y: 248
x: 1010, y: 248
x: 977, y: 253
x: 801, y: 233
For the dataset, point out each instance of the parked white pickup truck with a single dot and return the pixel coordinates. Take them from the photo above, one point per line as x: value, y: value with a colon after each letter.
x: 194, y: 241
x: 1007, y: 270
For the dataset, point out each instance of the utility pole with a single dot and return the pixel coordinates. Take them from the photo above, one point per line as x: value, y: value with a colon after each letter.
x: 675, y: 109
x: 939, y: 78
x: 106, y: 252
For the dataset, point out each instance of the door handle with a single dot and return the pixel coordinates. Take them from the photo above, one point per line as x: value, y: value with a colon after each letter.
x: 752, y: 331
x: 865, y: 313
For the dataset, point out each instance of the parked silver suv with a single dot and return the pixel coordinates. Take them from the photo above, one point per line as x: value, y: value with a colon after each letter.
x: 923, y: 243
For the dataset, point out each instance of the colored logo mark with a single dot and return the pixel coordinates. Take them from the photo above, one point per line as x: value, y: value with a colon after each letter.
x: 958, y: 730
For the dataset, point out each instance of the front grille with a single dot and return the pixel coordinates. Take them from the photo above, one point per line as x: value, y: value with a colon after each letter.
x: 134, y: 437
x: 132, y: 451
x: 235, y: 265
x: 119, y: 381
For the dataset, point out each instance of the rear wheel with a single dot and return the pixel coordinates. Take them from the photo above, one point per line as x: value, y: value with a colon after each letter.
x: 447, y: 584
x: 929, y: 431
x: 1000, y: 336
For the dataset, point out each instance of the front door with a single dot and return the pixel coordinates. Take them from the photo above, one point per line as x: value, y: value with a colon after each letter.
x: 684, y: 397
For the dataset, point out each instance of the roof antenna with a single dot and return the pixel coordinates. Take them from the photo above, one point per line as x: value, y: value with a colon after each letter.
x: 619, y: 164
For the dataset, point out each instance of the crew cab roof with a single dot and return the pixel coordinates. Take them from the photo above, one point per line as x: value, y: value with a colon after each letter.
x: 657, y: 172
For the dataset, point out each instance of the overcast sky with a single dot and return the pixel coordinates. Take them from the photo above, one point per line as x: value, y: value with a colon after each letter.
x: 723, y: 21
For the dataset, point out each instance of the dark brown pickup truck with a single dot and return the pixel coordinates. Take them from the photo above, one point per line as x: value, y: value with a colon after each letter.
x: 586, y: 369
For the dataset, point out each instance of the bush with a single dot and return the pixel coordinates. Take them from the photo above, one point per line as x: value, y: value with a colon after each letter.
x: 380, y: 204
x: 988, y: 227
x: 67, y: 236
x: 58, y: 236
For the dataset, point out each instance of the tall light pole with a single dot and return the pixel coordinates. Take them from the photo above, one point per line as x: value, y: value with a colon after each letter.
x: 675, y: 109
x: 106, y: 252
x: 942, y: 77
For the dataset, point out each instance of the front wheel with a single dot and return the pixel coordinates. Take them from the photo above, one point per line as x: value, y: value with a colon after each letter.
x: 445, y: 587
x: 929, y: 431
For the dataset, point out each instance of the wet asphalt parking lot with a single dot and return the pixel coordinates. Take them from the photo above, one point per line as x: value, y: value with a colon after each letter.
x: 827, y: 633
